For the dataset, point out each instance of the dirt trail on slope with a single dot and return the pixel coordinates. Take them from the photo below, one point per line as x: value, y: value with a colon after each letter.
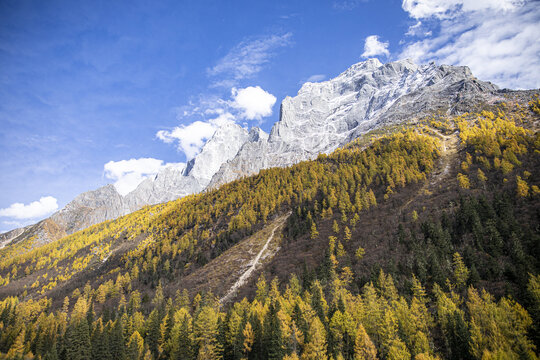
x: 223, y: 273
x: 448, y: 156
x: 254, y: 263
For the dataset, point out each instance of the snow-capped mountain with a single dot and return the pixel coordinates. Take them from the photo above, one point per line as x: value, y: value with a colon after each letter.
x: 326, y: 115
x: 322, y: 117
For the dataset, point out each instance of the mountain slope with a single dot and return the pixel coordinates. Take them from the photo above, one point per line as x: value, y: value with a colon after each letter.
x: 196, y: 229
x: 387, y: 240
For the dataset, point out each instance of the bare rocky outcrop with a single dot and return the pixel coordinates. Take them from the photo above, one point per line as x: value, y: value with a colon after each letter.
x: 327, y: 115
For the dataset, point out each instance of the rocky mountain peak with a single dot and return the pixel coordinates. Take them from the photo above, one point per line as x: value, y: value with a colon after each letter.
x: 257, y: 134
x: 221, y: 147
x: 329, y: 114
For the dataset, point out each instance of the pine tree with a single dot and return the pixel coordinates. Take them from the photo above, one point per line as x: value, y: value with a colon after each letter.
x: 135, y: 347
x: 78, y: 346
x: 300, y: 321
x: 16, y: 350
x: 273, y: 337
x: 461, y: 273
x: 499, y: 328
x: 463, y: 181
x: 318, y: 302
x: 313, y: 232
x: 388, y: 331
x: 65, y: 305
x: 315, y: 349
x: 152, y: 332
x: 335, y: 227
x: 100, y: 342
x: 481, y: 176
x: 148, y: 355
x: 363, y: 346
x: 387, y: 289
x: 205, y: 332
x: 181, y: 347
x: 262, y: 289
x: 348, y: 234
x: 360, y: 252
x: 371, y: 198
x: 183, y: 300
x: 249, y: 338
x: 52, y: 354
x: 522, y: 188
x: 457, y: 336
x: 398, y: 351
x: 158, y: 297
x: 292, y: 356
x: 116, y: 340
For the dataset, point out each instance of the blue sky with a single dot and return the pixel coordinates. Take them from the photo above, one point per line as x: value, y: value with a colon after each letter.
x: 84, y: 84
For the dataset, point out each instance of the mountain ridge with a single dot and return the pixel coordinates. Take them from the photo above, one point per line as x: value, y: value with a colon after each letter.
x: 365, y: 96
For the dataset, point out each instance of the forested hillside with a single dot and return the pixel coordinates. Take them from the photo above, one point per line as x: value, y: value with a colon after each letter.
x: 419, y: 241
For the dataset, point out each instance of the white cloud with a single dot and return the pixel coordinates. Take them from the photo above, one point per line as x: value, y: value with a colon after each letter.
x: 498, y: 40
x: 192, y: 137
x: 442, y: 9
x: 128, y: 174
x: 316, y: 78
x: 253, y: 102
x: 250, y: 103
x: 373, y: 47
x: 36, y: 209
x: 247, y: 58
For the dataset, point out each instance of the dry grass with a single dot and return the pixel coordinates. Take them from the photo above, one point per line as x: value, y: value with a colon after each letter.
x: 222, y: 272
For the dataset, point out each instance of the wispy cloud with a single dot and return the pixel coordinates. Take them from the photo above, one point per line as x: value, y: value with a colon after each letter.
x: 247, y: 59
x: 208, y: 112
x: 347, y: 4
x: 498, y: 40
x: 316, y: 78
x: 418, y: 29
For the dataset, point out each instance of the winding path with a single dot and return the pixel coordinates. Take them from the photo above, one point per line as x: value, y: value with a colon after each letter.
x: 448, y: 152
x: 245, y: 276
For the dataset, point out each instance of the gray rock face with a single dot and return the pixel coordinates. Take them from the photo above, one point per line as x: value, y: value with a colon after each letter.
x: 327, y: 115
x: 170, y: 183
x: 90, y: 208
x: 12, y: 235
x: 222, y: 147
x: 322, y: 117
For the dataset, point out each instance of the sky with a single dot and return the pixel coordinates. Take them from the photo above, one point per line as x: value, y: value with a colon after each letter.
x: 102, y: 92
